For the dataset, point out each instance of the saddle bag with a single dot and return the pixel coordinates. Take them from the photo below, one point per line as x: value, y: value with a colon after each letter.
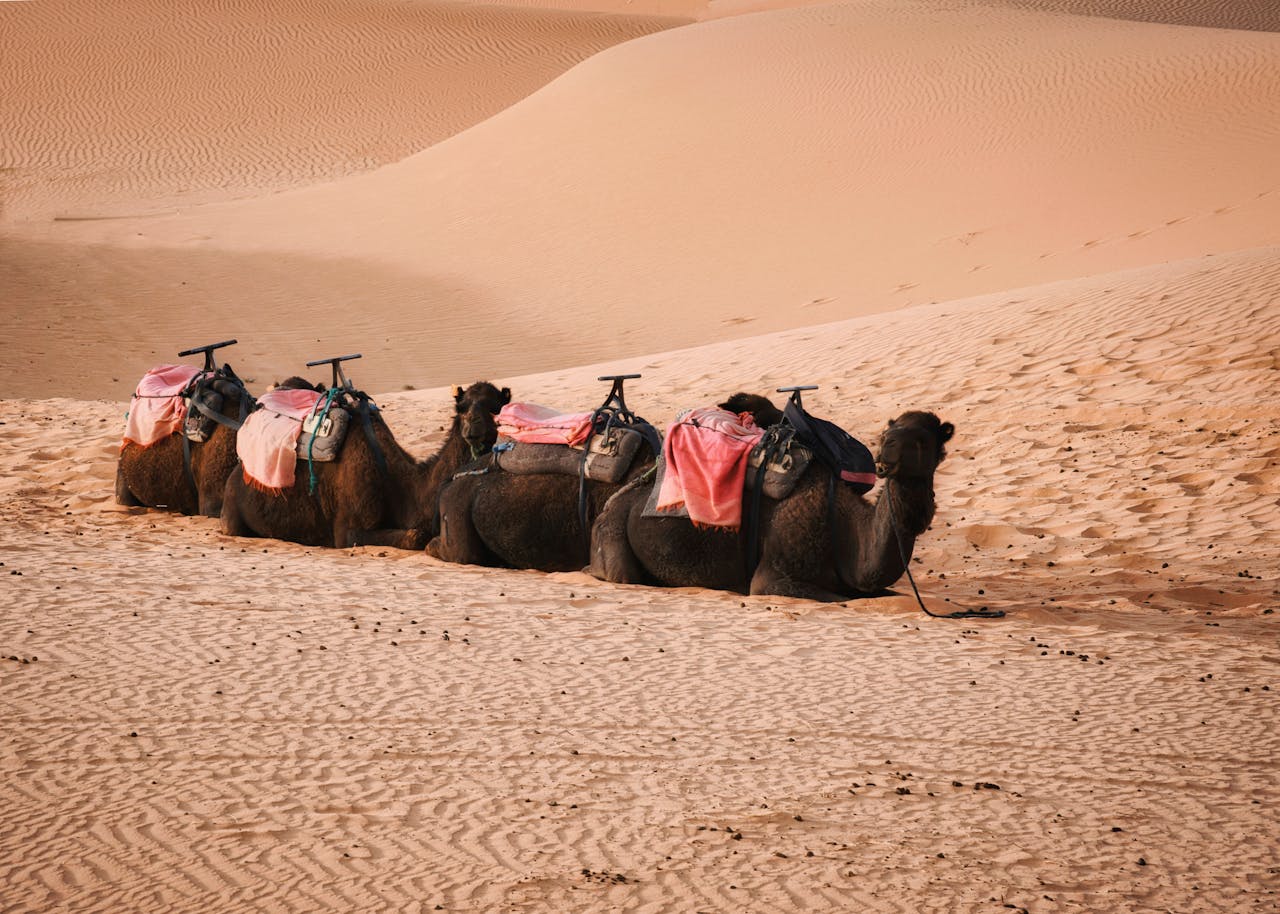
x: 777, y: 469
x: 323, y: 434
x: 197, y: 427
x: 608, y: 456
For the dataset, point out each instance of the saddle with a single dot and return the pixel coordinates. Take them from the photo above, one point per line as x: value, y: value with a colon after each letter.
x: 323, y: 433
x: 290, y: 425
x: 605, y: 456
x: 204, y: 398
x: 787, y: 449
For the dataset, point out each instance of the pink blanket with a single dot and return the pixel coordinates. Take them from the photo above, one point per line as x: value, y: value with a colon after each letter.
x: 706, y: 465
x: 535, y: 424
x: 157, y: 411
x: 268, y: 441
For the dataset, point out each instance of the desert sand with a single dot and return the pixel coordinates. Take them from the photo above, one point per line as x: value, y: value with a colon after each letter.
x: 1056, y: 223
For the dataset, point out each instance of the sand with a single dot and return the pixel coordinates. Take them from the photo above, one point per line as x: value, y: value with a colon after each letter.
x: 1054, y: 223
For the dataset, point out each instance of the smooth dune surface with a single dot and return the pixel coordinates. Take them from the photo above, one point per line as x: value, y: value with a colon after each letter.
x: 1052, y: 222
x: 749, y: 173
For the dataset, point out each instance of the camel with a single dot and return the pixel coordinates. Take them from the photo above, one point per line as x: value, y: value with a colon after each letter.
x: 491, y: 517
x: 809, y: 547
x: 182, y: 475
x: 368, y: 497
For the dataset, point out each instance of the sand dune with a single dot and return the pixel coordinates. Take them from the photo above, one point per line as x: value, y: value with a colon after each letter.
x: 833, y: 176
x: 1054, y: 222
x: 145, y: 107
x: 308, y: 739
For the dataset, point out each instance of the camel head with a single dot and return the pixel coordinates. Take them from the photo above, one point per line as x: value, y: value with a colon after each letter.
x: 912, y: 446
x: 476, y: 409
x: 761, y: 408
x: 297, y: 383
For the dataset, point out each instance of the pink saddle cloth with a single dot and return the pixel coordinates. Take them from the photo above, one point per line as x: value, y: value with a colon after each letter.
x: 157, y: 411
x: 705, y: 452
x: 534, y: 424
x: 268, y: 441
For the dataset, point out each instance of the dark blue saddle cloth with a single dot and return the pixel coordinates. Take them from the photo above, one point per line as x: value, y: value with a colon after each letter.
x: 845, y: 455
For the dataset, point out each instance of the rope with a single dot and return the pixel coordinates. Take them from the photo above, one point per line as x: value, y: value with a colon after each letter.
x: 311, y: 467
x: 983, y: 613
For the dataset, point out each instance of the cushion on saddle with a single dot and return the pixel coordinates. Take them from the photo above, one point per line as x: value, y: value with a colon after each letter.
x: 608, y: 456
x: 705, y: 466
x: 534, y: 424
x: 268, y: 441
x: 847, y: 457
x: 158, y: 410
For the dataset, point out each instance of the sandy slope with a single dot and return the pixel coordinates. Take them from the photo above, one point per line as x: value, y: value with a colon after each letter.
x: 144, y: 106
x: 193, y: 722
x: 747, y: 174
x: 307, y: 739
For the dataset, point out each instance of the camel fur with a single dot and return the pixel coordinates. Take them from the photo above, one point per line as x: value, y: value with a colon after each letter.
x: 497, y: 518
x: 156, y: 476
x: 355, y: 502
x: 807, y: 546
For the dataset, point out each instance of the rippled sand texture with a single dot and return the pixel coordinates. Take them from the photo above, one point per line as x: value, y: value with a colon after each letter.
x: 117, y: 109
x: 1058, y: 230
x: 281, y: 728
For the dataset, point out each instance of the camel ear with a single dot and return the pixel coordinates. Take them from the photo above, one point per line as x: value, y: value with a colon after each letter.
x: 947, y: 430
x: 457, y: 392
x: 506, y: 395
x: 891, y: 423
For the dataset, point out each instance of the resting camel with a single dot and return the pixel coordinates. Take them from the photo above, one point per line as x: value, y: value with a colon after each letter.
x: 359, y: 499
x: 491, y: 517
x: 162, y: 476
x: 808, y: 547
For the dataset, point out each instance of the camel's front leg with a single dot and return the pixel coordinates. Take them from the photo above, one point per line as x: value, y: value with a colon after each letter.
x: 612, y: 558
x: 414, y: 539
x: 124, y: 496
x: 230, y: 517
x: 768, y: 582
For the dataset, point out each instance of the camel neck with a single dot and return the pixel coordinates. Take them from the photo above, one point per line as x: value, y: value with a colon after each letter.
x: 902, y: 512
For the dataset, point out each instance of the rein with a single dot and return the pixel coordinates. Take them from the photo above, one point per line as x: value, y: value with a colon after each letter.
x: 906, y: 564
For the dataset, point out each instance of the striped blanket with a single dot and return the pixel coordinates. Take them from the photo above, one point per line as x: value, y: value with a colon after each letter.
x: 705, y: 453
x: 534, y: 424
x: 268, y: 441
x: 157, y: 410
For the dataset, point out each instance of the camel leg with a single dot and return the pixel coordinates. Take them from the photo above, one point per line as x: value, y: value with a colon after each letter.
x: 412, y: 540
x: 123, y: 494
x: 612, y: 558
x: 232, y: 521
x: 210, y: 503
x: 459, y: 541
x: 768, y: 582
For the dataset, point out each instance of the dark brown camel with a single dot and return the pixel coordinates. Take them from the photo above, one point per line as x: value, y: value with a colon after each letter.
x: 802, y: 553
x: 498, y: 518
x: 157, y: 476
x: 355, y: 501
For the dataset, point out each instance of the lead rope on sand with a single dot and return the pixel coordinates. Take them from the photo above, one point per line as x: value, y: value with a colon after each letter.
x: 983, y: 613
